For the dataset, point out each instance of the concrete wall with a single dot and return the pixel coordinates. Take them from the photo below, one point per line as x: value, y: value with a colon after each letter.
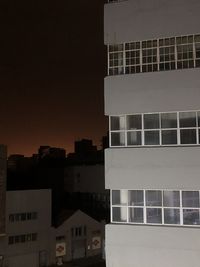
x: 135, y: 20
x: 176, y: 90
x: 153, y: 168
x: 152, y: 246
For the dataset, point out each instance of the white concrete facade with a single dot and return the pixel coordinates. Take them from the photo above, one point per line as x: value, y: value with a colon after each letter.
x: 152, y: 168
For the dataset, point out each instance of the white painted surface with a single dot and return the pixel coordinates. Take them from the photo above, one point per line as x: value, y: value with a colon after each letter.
x: 152, y: 246
x: 176, y: 90
x: 135, y: 20
x: 153, y: 168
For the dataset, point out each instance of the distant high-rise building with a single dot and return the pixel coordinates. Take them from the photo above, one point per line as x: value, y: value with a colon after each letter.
x: 51, y: 152
x: 3, y: 166
x: 84, y: 146
x: 152, y: 167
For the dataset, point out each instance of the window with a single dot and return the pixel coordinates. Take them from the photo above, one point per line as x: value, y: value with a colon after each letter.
x: 60, y: 237
x: 153, y: 198
x: 119, y: 199
x: 119, y: 214
x: 149, y: 56
x: 11, y: 240
x: 151, y: 129
x: 136, y: 215
x: 78, y: 231
x: 116, y: 59
x: 185, y: 56
x: 85, y: 230
x: 154, y: 215
x: 188, y: 127
x: 23, y: 216
x: 197, y: 50
x: 132, y: 57
x: 11, y: 218
x: 171, y: 216
x: 171, y: 198
x: 155, y: 129
x: 163, y: 54
x: 136, y: 197
x: 167, y: 54
x: 22, y: 238
x: 164, y: 207
x: 190, y: 199
x: 134, y: 126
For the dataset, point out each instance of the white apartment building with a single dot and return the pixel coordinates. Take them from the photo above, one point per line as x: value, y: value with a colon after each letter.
x: 152, y: 167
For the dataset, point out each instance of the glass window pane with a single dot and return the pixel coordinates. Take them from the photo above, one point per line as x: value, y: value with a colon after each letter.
x: 117, y: 139
x: 11, y: 240
x: 190, y: 199
x: 171, y: 198
x: 134, y: 138
x: 191, y: 217
x: 152, y: 138
x: 154, y: 215
x: 172, y: 216
x: 169, y: 120
x: 169, y: 137
x: 119, y: 214
x: 188, y: 136
x: 197, y: 38
x: 151, y: 121
x: 198, y: 118
x: 136, y: 215
x: 187, y: 119
x: 117, y: 123
x: 119, y: 197
x: 136, y: 198
x: 153, y: 198
x: 134, y: 122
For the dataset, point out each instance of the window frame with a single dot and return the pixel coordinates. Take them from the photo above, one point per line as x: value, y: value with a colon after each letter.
x: 164, y: 43
x: 159, y: 130
x: 180, y: 208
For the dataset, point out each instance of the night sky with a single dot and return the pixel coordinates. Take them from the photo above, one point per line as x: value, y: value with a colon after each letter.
x: 52, y: 65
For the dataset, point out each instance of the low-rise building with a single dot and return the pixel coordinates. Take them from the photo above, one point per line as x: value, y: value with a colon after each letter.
x: 31, y: 241
x: 28, y: 226
x: 78, y: 236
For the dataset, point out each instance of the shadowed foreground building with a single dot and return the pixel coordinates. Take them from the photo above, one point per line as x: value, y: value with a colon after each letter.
x: 3, y: 158
x: 152, y: 168
x: 31, y: 240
